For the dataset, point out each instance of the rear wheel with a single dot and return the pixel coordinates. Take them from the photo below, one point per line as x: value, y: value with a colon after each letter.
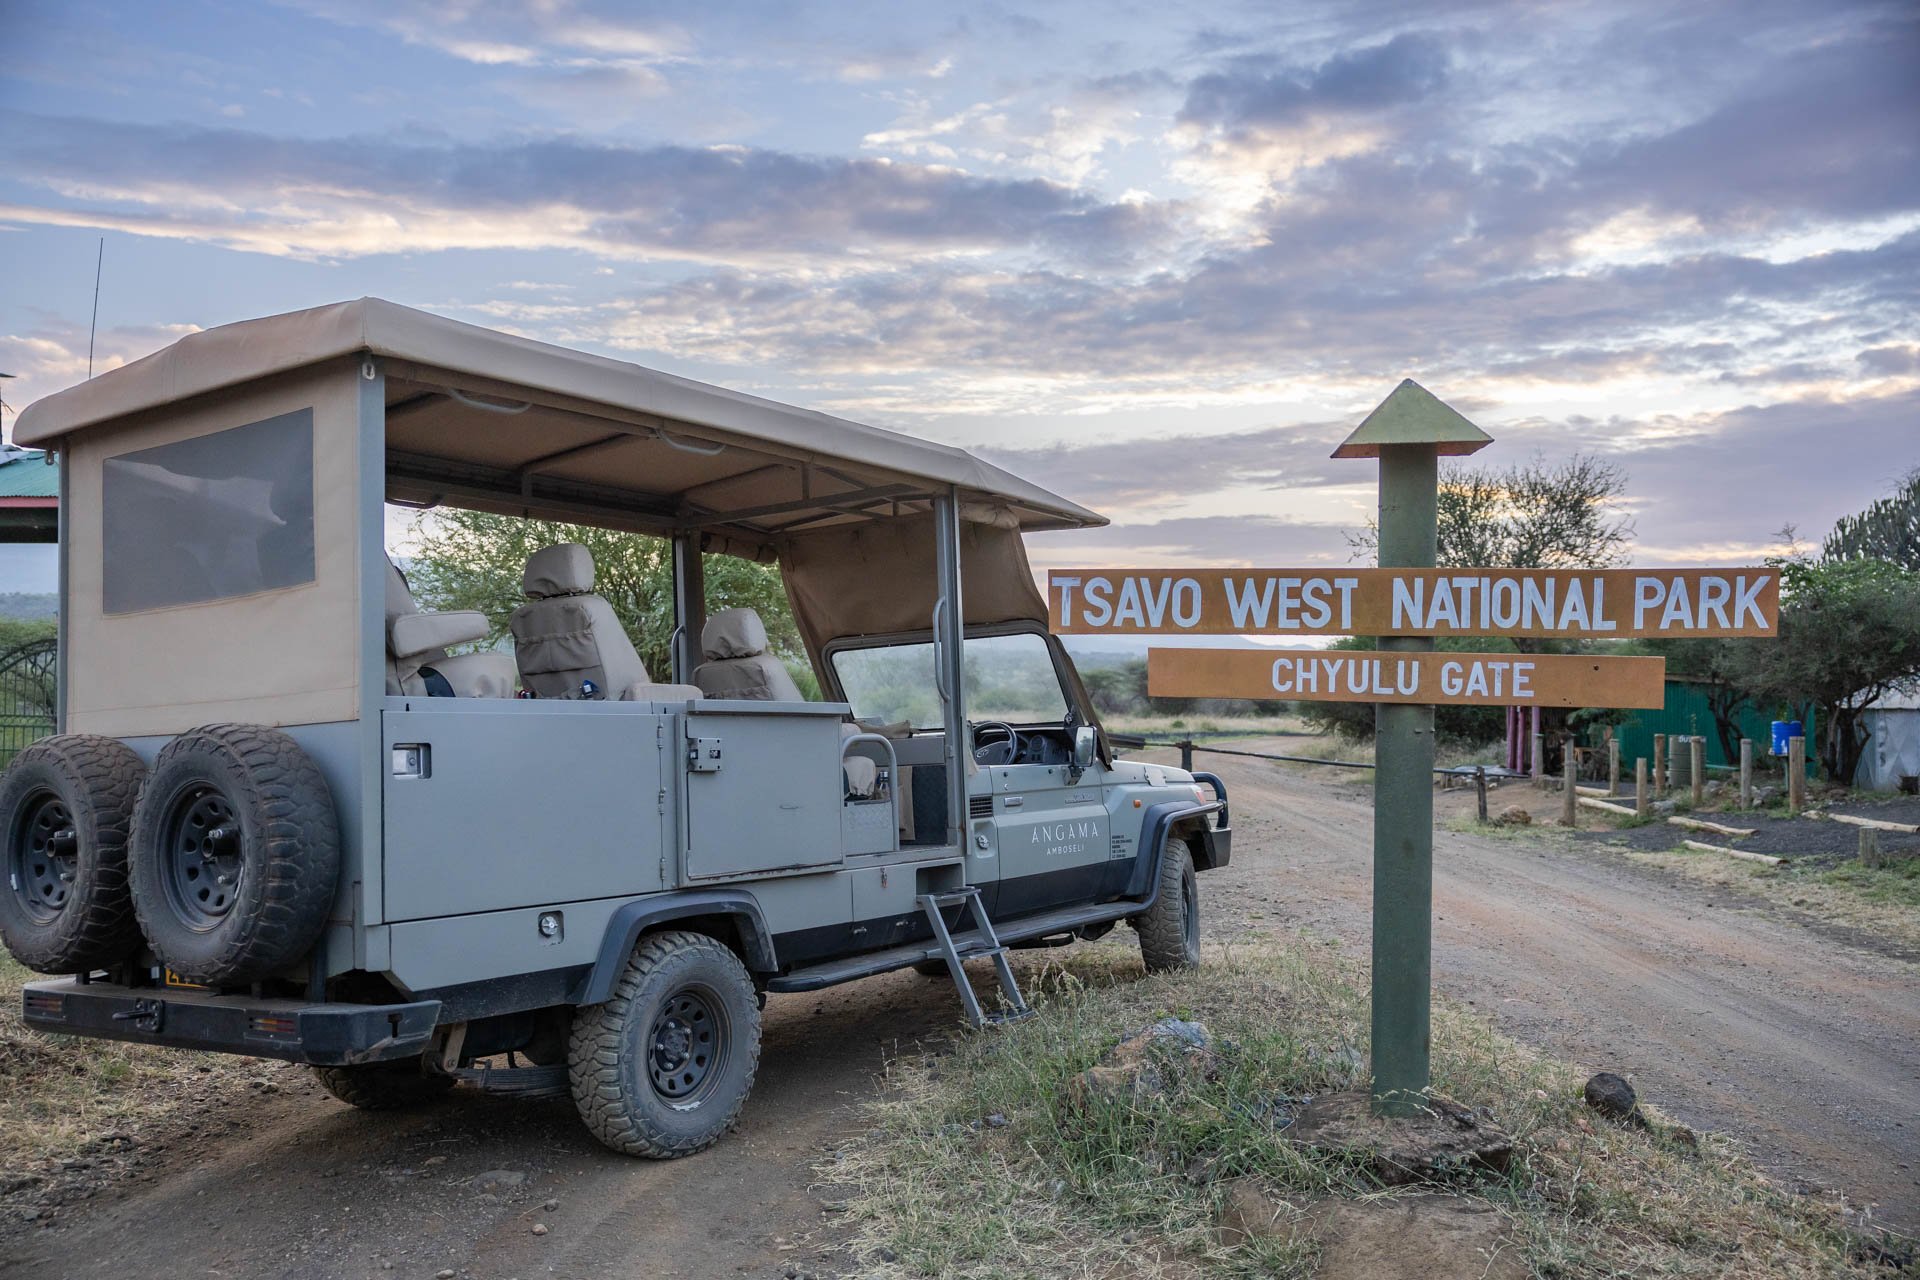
x: 66, y: 804
x: 235, y: 854
x: 664, y: 1066
x: 383, y: 1086
x: 1170, y: 929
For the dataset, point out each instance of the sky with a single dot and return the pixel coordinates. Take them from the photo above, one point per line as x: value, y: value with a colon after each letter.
x: 1160, y: 258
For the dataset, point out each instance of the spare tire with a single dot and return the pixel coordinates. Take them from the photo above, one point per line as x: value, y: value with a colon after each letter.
x: 235, y: 854
x: 66, y: 804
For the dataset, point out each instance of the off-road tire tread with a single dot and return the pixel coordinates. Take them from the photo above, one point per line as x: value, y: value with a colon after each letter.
x: 1162, y: 927
x: 102, y: 930
x: 383, y: 1086
x: 599, y: 1040
x: 291, y: 808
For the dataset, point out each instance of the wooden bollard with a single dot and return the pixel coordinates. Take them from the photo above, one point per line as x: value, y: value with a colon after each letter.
x: 1660, y: 763
x: 1796, y: 774
x: 1613, y: 766
x: 1539, y: 745
x: 1480, y: 790
x: 1697, y: 757
x: 1640, y: 787
x: 1869, y: 849
x: 1746, y: 773
x: 1570, y: 793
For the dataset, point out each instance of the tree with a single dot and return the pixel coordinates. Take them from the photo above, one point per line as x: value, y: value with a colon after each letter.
x: 1887, y: 530
x: 473, y: 560
x: 1527, y: 516
x: 1718, y: 664
x: 1849, y: 635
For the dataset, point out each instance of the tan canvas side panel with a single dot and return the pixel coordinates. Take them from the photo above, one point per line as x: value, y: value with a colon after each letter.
x: 878, y: 578
x: 278, y: 657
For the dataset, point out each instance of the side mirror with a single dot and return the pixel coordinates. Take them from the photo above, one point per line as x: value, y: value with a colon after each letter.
x: 1086, y: 745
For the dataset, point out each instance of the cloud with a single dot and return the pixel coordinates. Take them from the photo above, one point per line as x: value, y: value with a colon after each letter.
x: 1255, y: 94
x: 1749, y: 453
x: 355, y: 196
x: 53, y: 355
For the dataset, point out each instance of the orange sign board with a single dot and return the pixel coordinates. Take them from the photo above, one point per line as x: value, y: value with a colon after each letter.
x: 1468, y: 679
x: 1559, y: 603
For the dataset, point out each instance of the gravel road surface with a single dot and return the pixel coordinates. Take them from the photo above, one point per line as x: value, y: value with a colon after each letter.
x: 1725, y: 1014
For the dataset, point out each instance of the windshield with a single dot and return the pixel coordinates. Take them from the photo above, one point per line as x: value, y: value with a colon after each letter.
x: 1008, y: 678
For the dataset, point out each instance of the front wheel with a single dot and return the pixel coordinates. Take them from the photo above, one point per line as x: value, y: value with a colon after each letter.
x: 1170, y: 929
x: 664, y: 1066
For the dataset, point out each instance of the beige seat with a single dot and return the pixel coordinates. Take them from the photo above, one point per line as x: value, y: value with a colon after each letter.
x: 738, y: 664
x: 568, y: 642
x: 417, y: 649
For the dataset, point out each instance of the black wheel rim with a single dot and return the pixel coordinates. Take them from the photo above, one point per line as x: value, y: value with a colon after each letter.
x: 1190, y: 915
x: 687, y: 1047
x: 201, y: 848
x: 46, y: 855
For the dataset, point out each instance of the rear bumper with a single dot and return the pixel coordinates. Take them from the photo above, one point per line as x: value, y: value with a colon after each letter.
x: 327, y: 1035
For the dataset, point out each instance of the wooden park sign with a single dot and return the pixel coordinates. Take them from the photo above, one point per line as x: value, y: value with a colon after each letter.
x: 1407, y: 602
x: 1542, y: 603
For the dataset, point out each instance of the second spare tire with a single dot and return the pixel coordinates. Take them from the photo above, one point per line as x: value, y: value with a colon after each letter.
x: 235, y: 855
x: 66, y: 803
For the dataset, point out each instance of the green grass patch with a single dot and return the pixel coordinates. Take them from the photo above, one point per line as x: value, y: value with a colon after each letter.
x: 1896, y: 884
x: 992, y: 1162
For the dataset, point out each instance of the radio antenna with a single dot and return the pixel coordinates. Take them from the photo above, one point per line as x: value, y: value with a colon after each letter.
x: 98, y: 258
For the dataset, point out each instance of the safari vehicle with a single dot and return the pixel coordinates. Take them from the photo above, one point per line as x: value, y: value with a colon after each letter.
x: 281, y: 819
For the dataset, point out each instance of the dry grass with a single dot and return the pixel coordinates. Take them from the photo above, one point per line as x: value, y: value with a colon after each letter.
x: 60, y: 1094
x: 1051, y: 1187
x: 1883, y: 902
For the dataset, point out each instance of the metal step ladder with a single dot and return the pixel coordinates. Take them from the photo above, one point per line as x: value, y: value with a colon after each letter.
x: 987, y: 943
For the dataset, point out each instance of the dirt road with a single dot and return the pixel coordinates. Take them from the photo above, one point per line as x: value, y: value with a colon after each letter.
x: 1777, y: 1031
x: 1727, y: 1015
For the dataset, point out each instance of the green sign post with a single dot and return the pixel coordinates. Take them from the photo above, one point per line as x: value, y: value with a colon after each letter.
x: 1409, y: 433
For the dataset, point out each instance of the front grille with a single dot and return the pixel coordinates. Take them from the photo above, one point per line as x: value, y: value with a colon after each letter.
x: 979, y: 806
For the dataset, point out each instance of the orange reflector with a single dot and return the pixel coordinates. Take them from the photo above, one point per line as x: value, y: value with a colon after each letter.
x: 1136, y: 804
x: 272, y: 1024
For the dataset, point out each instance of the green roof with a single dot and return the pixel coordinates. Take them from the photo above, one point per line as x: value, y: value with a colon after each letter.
x: 26, y: 474
x: 1413, y: 415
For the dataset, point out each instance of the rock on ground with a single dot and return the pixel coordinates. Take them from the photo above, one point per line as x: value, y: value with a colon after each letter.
x: 1611, y: 1096
x: 1139, y: 1065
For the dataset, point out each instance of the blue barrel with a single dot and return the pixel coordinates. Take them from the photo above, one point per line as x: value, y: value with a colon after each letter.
x: 1782, y: 730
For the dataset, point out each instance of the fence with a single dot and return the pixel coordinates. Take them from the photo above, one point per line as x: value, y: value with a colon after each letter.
x: 28, y: 690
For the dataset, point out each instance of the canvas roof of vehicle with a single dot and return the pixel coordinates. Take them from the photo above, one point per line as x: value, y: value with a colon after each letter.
x: 485, y: 419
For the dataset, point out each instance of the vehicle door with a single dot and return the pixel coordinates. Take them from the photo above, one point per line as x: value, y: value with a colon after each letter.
x: 1050, y: 820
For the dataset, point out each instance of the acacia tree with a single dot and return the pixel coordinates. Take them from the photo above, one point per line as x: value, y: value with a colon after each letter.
x: 1849, y: 635
x: 1531, y: 515
x: 473, y: 560
x: 1718, y: 663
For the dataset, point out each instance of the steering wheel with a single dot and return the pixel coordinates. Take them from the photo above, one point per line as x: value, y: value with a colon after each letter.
x: 1008, y: 747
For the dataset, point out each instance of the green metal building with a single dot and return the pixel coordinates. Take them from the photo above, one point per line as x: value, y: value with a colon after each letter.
x: 1687, y: 712
x: 29, y: 496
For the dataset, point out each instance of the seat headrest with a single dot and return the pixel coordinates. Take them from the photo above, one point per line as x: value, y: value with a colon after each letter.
x: 733, y: 633
x: 562, y: 570
x: 400, y: 600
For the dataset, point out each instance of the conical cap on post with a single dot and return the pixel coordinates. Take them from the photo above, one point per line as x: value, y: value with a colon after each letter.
x: 1413, y: 415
